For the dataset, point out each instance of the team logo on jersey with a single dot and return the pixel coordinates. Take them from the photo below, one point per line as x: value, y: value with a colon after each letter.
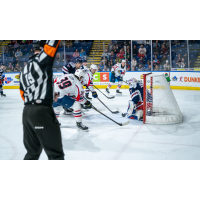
x: 8, y: 80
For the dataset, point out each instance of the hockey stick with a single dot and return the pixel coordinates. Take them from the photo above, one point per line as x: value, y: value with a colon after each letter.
x: 120, y: 124
x: 113, y: 112
x: 112, y: 97
x: 123, y: 114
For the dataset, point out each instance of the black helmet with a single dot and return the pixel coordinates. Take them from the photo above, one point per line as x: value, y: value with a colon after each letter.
x: 78, y: 60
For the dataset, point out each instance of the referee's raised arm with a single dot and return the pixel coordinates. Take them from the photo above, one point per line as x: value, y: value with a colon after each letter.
x: 41, y: 128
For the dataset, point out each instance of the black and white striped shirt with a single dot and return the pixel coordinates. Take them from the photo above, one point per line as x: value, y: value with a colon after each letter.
x: 36, y: 78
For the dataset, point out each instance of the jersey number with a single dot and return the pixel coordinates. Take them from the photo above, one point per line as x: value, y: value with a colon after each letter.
x: 64, y: 83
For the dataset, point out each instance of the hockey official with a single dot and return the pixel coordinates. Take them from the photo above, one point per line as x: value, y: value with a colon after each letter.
x: 40, y: 126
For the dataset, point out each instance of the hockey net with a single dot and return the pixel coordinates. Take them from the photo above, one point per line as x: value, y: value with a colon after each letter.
x: 160, y: 106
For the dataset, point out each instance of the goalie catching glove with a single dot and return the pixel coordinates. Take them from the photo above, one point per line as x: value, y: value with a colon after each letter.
x: 94, y: 94
x: 88, y: 105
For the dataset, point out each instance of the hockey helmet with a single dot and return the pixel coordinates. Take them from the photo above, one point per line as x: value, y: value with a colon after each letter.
x: 78, y: 60
x: 93, y: 67
x: 79, y: 73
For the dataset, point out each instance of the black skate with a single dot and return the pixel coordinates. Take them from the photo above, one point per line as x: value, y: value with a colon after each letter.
x: 118, y: 92
x: 81, y: 127
x: 3, y: 95
x: 107, y: 90
x: 68, y: 111
x: 86, y: 95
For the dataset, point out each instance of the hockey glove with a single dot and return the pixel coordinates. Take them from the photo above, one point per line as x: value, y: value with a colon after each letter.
x: 88, y: 105
x: 119, y: 78
x: 94, y: 94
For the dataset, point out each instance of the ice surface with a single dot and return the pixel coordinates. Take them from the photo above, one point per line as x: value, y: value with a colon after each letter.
x: 105, y: 139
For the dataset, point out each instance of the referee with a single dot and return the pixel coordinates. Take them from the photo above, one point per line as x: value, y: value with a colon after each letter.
x: 40, y: 126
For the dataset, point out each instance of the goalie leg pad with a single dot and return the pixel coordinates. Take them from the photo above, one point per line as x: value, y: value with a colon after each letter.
x: 77, y: 112
x: 131, y: 108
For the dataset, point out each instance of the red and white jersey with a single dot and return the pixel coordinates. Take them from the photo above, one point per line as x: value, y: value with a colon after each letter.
x: 119, y: 71
x: 69, y: 85
x: 88, y: 80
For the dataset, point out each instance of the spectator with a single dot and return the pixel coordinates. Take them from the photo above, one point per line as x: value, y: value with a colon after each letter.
x: 163, y: 61
x: 68, y: 43
x: 128, y: 67
x: 105, y: 68
x: 178, y: 60
x: 18, y: 53
x: 76, y: 54
x: 117, y: 60
x: 135, y: 51
x: 82, y: 53
x: 106, y: 54
x: 140, y: 68
x: 120, y: 54
x: 149, y: 68
x: 166, y: 43
x: 183, y: 63
x: 12, y: 54
x: 156, y: 44
x: 10, y: 67
x: 134, y: 63
x: 17, y: 68
x: 147, y: 65
x: 156, y: 61
x: 141, y: 61
x: 16, y: 45
x: 163, y: 50
x: 115, y: 49
x: 112, y: 55
x: 31, y: 53
x: 16, y: 61
x: 57, y: 58
x: 156, y: 68
x: 128, y: 55
x: 5, y: 50
x: 110, y: 46
x: 112, y: 62
x: 166, y: 66
x: 156, y: 50
x: 109, y: 66
x: 142, y: 51
x: 134, y: 68
x: 101, y: 66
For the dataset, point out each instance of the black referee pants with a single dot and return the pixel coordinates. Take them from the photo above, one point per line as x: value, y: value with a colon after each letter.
x: 41, y: 131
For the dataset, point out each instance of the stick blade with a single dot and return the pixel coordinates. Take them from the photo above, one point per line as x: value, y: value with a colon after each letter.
x: 111, y: 97
x: 115, y: 112
x: 125, y: 123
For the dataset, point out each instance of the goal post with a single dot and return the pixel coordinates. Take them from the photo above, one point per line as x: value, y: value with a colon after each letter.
x: 159, y: 103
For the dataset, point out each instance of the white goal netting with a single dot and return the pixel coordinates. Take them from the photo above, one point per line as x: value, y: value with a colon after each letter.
x: 161, y: 105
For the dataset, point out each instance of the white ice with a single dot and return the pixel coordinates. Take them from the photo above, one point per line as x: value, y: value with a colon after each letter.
x: 106, y: 140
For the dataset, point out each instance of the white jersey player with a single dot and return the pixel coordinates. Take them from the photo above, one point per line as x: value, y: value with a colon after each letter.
x: 69, y: 92
x: 118, y: 71
x: 88, y: 80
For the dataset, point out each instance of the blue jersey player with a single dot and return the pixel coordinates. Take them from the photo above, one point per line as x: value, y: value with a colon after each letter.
x: 2, y: 80
x: 71, y: 67
x: 135, y: 105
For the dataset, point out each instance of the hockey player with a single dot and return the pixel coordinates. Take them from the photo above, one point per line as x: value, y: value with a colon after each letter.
x: 88, y: 80
x: 118, y: 71
x: 2, y: 80
x: 69, y: 92
x: 135, y: 105
x: 71, y: 67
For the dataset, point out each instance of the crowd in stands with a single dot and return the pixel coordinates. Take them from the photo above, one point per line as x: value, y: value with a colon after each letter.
x: 17, y: 53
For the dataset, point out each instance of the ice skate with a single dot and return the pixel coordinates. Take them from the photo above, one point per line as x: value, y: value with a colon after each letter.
x: 87, y: 96
x: 67, y: 111
x: 118, y: 92
x: 107, y: 90
x: 81, y: 127
x: 3, y: 95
